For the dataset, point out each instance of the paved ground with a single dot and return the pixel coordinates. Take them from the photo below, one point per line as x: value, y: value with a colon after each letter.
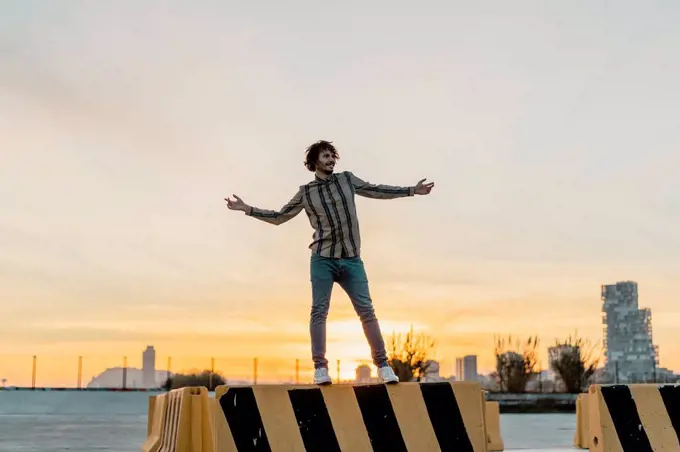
x: 116, y: 422
x: 538, y: 431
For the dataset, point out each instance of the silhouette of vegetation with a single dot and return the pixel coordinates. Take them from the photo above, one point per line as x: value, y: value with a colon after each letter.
x: 572, y: 360
x: 206, y: 378
x: 515, y: 363
x: 410, y: 356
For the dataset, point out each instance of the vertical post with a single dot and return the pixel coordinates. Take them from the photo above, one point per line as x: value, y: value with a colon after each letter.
x: 80, y: 371
x: 35, y: 368
x: 124, y: 372
x: 254, y: 371
x: 338, y: 371
x: 297, y: 371
x: 169, y: 365
x: 212, y: 371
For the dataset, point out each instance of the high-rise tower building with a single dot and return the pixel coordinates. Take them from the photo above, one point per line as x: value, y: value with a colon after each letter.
x: 149, y: 367
x: 466, y: 368
x: 630, y: 354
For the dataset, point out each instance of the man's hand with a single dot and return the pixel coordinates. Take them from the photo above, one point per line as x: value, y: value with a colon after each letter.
x: 423, y: 189
x: 238, y: 204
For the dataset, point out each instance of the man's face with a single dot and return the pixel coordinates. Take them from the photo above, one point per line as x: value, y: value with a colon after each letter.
x: 326, y: 162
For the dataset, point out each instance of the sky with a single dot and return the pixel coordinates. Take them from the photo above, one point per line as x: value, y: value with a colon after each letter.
x: 549, y: 129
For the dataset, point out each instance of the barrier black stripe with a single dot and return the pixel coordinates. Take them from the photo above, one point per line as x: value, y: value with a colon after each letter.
x: 240, y: 409
x: 445, y: 417
x: 670, y: 394
x: 627, y: 423
x: 313, y: 420
x: 379, y: 418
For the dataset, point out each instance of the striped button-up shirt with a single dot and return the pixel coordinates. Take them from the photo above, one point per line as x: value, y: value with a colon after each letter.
x: 329, y: 205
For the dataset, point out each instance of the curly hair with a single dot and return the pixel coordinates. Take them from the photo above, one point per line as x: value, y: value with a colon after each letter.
x: 315, y: 149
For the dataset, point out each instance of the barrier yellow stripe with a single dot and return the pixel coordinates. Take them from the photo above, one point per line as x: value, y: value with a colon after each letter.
x: 654, y: 417
x: 346, y: 418
x: 471, y: 410
x: 582, y: 434
x: 278, y: 418
x: 151, y: 407
x: 492, y: 419
x: 409, y: 408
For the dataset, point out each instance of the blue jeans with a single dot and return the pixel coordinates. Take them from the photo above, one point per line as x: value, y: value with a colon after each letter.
x: 350, y: 274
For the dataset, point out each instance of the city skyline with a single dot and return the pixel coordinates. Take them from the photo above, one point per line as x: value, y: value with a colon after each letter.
x: 125, y: 126
x: 615, y: 356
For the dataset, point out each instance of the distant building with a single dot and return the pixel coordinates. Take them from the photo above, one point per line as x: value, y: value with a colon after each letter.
x: 134, y: 378
x: 466, y: 368
x: 664, y: 375
x: 363, y: 374
x: 131, y: 377
x: 630, y: 354
x: 488, y: 382
x: 149, y: 367
x: 432, y: 372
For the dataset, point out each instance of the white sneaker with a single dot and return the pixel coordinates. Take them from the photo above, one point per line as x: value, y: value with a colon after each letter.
x: 321, y: 376
x: 386, y: 375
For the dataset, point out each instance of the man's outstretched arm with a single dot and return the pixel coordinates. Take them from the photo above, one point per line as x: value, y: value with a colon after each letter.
x: 276, y: 217
x: 382, y: 191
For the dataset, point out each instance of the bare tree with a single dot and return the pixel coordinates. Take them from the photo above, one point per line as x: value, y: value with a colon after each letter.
x: 205, y: 378
x: 410, y: 356
x: 515, y: 363
x: 572, y: 360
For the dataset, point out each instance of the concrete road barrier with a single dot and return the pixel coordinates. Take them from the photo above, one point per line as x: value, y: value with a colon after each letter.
x: 492, y: 420
x: 343, y: 417
x: 582, y: 435
x: 180, y: 421
x: 635, y: 418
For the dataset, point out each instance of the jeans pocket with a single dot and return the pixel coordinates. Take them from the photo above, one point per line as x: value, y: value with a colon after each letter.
x: 320, y: 268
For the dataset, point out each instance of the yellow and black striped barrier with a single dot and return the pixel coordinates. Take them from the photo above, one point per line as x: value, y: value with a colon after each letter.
x: 634, y: 418
x: 405, y: 417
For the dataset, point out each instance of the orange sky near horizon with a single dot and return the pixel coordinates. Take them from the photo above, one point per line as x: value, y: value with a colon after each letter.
x: 191, y: 338
x: 124, y: 125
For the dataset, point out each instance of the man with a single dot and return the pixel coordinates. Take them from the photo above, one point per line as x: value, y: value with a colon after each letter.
x: 328, y: 201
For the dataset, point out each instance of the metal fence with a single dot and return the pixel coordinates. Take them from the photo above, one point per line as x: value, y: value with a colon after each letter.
x: 113, y: 371
x: 128, y: 371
